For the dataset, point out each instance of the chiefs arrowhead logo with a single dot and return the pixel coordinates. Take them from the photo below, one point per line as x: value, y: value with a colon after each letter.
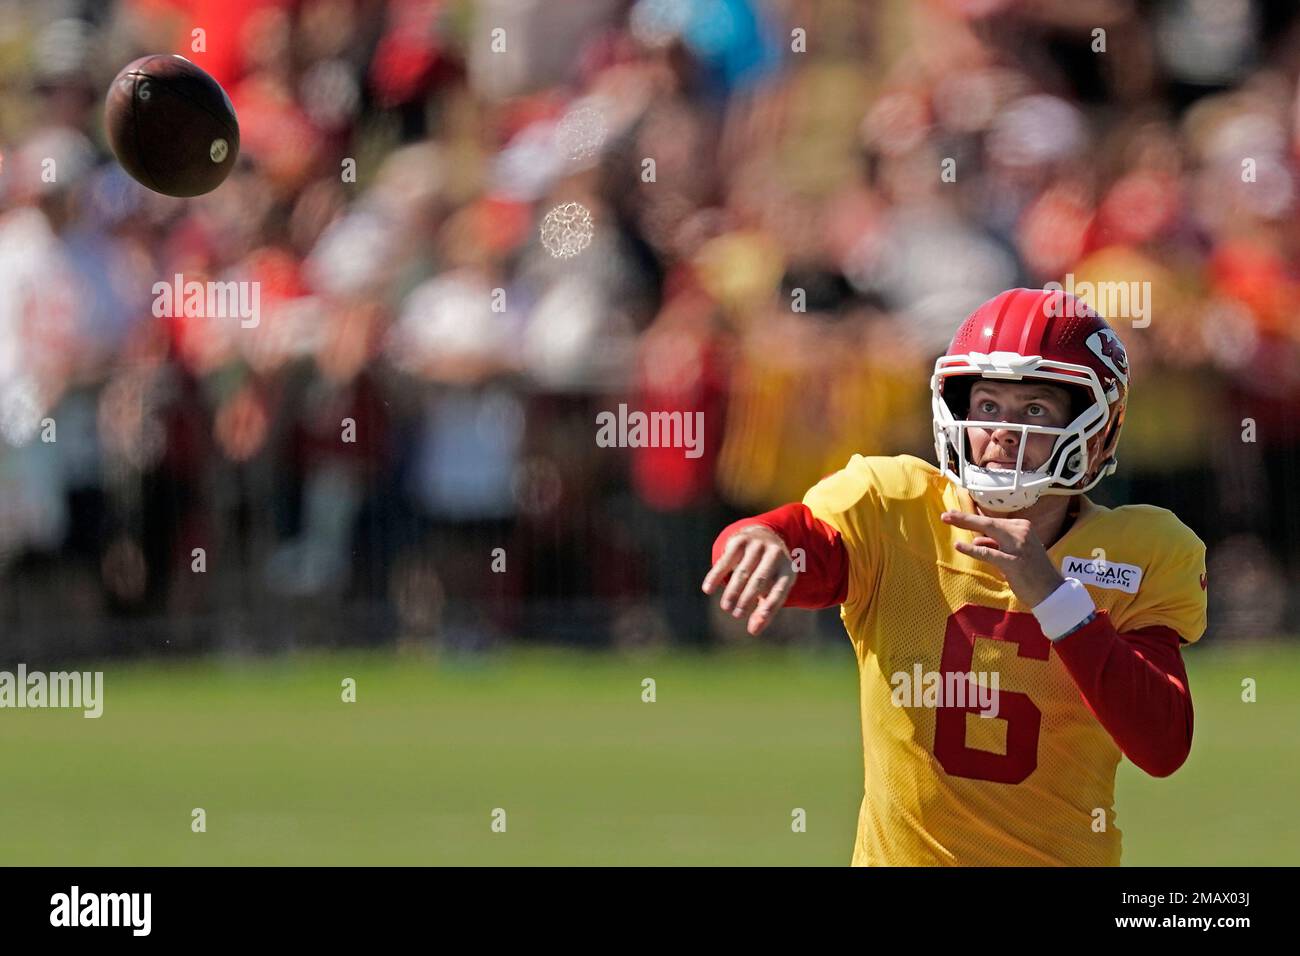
x: 1105, y: 344
x: 1204, y: 582
x: 1111, y: 348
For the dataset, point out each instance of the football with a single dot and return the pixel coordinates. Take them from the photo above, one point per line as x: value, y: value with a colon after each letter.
x: 171, y: 126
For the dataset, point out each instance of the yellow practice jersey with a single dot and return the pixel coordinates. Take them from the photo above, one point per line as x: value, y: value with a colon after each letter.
x: 1033, y: 785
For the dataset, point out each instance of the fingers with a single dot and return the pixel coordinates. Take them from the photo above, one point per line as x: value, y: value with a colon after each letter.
x: 772, y: 603
x: 760, y: 578
x: 731, y: 553
x: 985, y: 553
x: 760, y: 581
x: 741, y: 575
x: 970, y: 522
x: 1007, y: 534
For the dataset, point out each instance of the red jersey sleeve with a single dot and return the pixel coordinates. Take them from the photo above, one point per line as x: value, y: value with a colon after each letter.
x: 1136, y: 685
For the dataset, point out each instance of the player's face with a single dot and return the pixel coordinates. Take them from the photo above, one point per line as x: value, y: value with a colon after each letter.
x: 1019, y: 403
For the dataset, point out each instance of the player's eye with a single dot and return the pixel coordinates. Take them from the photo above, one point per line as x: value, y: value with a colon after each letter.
x: 987, y: 407
x: 1036, y: 409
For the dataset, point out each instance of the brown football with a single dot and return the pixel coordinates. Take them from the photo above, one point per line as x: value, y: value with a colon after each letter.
x: 171, y: 125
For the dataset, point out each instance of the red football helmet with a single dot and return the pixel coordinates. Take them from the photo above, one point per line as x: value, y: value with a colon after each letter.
x: 1033, y: 334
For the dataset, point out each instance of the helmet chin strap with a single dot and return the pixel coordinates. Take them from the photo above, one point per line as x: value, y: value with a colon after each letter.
x: 992, y: 489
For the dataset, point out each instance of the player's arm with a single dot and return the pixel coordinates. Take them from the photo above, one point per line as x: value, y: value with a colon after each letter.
x: 1134, y: 682
x: 1136, y: 685
x: 754, y: 557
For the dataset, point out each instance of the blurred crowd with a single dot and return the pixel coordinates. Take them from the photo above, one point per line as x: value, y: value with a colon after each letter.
x: 792, y: 204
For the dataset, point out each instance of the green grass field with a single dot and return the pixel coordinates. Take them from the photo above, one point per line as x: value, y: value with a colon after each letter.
x: 586, y: 772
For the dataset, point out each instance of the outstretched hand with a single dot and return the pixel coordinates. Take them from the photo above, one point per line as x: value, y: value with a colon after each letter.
x: 762, y: 575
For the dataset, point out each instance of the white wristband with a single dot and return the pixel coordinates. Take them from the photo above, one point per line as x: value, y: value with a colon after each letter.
x: 1064, y: 609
